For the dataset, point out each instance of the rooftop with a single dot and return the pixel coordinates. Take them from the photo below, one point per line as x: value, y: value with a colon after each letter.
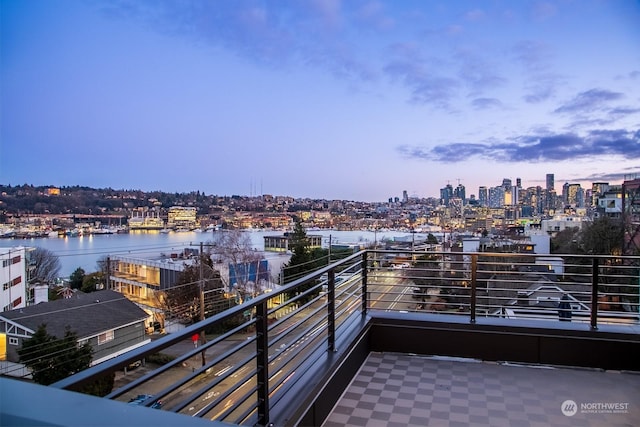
x: 393, y: 389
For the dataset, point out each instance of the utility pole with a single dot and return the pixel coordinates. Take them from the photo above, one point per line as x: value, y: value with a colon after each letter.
x: 108, y: 281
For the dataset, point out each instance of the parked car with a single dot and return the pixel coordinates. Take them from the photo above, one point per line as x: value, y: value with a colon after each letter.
x: 141, y: 398
x: 401, y: 265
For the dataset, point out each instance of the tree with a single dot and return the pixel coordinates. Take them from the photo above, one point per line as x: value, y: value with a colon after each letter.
x: 102, y: 265
x: 566, y: 241
x: 234, y: 247
x: 183, y: 299
x: 298, y: 264
x: 51, y: 359
x: 77, y: 278
x: 46, y: 265
x: 91, y: 281
x: 303, y: 260
x: 604, y: 236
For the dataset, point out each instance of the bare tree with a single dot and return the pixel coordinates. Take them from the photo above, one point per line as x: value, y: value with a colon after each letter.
x: 46, y: 265
x: 234, y: 247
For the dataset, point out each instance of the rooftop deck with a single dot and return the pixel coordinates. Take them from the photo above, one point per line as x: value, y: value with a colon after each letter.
x: 393, y: 389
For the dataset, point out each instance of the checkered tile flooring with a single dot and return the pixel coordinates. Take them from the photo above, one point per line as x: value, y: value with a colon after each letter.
x: 407, y: 390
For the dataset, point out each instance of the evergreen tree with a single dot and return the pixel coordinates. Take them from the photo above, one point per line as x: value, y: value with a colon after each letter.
x: 51, y: 359
x: 77, y: 278
x: 303, y: 260
x: 298, y: 265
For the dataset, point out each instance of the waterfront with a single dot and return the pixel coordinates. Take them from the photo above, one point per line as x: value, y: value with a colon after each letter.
x: 85, y: 251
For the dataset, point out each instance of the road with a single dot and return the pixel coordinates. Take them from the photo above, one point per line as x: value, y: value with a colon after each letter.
x: 227, y: 389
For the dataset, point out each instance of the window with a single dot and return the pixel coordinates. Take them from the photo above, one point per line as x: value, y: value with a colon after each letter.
x: 106, y: 337
x: 13, y: 341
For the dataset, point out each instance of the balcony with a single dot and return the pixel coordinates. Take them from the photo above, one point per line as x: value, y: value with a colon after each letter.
x: 465, y: 316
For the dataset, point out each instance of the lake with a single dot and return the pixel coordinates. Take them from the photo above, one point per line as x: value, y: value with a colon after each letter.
x: 85, y: 251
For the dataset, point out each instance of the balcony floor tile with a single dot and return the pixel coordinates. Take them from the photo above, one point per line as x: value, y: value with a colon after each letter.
x: 469, y: 393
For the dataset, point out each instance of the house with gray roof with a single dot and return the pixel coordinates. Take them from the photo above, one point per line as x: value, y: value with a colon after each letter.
x: 106, y: 319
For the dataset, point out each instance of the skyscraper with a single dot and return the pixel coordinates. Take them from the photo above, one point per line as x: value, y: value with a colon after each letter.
x: 550, y: 182
x: 483, y: 198
x: 446, y: 194
x: 460, y: 192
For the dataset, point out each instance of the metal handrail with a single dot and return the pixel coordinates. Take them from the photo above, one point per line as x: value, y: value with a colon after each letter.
x: 467, y: 284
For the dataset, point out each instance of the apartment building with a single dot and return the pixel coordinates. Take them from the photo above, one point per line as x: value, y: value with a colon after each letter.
x: 14, y: 277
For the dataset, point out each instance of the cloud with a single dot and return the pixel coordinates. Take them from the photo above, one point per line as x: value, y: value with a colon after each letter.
x: 589, y: 101
x: 535, y: 148
x: 477, y: 73
x: 540, y: 82
x: 314, y: 32
x: 426, y: 87
x: 534, y: 55
x: 486, y: 103
x: 373, y: 15
x: 620, y: 112
x: 625, y: 174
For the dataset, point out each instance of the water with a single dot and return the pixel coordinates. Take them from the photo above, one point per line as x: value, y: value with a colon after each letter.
x: 85, y: 251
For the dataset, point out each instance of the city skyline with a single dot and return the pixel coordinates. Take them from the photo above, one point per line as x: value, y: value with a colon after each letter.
x: 324, y: 99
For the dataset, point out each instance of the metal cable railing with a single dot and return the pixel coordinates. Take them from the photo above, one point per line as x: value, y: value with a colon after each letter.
x: 239, y: 374
x: 594, y: 289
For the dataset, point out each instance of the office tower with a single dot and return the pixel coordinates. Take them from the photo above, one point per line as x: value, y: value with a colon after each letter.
x: 483, y: 198
x: 575, y: 195
x: 550, y: 182
x: 405, y: 196
x: 460, y: 192
x: 446, y: 194
x: 496, y: 197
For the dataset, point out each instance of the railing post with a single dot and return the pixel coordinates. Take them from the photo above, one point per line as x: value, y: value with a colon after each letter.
x: 262, y: 362
x: 331, y: 307
x: 594, y: 293
x: 364, y: 282
x: 474, y: 287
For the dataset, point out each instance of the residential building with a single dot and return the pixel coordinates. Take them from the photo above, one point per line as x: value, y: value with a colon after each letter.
x: 14, y: 278
x: 143, y: 280
x: 282, y: 244
x: 108, y: 321
x: 561, y: 222
x: 609, y: 202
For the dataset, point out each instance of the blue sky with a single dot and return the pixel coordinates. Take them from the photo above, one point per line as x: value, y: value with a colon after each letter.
x: 333, y: 99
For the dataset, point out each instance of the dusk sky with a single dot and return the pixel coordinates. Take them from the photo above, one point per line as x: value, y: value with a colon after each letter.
x: 355, y: 100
